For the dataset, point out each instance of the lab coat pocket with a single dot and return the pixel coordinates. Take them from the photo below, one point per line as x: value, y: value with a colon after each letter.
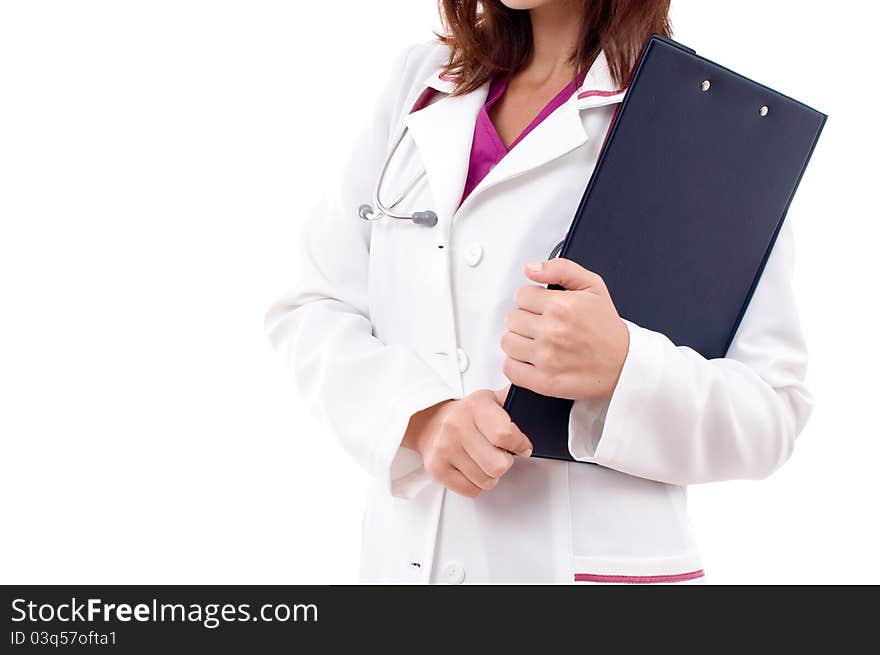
x: 644, y: 535
x: 394, y: 272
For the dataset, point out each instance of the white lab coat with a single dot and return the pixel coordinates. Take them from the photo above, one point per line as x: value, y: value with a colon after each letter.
x: 388, y: 318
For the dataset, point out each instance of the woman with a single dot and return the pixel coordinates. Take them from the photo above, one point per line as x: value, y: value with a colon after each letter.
x: 404, y: 336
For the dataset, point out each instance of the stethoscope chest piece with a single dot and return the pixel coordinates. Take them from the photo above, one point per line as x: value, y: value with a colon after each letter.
x: 427, y: 218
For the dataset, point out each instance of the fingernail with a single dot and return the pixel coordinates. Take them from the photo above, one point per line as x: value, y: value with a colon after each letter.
x: 535, y: 268
x: 528, y: 453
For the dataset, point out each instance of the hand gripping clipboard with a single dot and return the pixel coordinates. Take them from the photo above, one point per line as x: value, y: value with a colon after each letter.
x: 683, y: 208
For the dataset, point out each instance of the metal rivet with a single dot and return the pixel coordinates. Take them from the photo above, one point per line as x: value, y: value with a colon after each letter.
x: 706, y: 85
x: 764, y: 110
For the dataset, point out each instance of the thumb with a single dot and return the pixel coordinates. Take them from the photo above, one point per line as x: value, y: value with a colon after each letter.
x: 566, y: 274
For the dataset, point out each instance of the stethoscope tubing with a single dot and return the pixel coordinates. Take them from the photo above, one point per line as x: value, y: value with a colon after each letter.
x: 426, y: 218
x: 388, y: 210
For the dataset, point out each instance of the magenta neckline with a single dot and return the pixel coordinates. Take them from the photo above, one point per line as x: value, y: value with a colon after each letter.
x: 487, y: 148
x: 498, y: 86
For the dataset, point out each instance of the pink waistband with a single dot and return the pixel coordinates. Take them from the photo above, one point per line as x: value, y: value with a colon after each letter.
x: 638, y: 579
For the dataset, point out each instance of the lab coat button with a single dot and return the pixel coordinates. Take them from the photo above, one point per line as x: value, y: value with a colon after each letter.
x: 453, y: 573
x: 474, y: 254
x: 463, y: 361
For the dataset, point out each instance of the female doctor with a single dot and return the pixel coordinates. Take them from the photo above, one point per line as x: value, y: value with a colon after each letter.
x: 411, y: 316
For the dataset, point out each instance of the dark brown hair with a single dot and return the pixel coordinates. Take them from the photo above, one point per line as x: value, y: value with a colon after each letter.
x: 486, y: 37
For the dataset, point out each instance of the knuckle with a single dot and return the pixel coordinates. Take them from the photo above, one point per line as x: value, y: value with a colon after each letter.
x: 502, y: 436
x: 444, y: 448
x: 558, y: 309
x: 489, y: 483
x: 497, y: 469
x: 556, y: 331
x: 433, y: 467
x: 569, y: 303
x: 450, y: 426
x: 506, y: 433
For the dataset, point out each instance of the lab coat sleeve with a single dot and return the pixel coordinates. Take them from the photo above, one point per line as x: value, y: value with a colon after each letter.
x: 364, y: 390
x: 679, y: 418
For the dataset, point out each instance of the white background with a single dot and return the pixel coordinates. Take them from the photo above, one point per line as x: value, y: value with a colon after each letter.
x: 155, y: 157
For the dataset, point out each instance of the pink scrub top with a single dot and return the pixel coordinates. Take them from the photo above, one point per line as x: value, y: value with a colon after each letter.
x: 488, y: 148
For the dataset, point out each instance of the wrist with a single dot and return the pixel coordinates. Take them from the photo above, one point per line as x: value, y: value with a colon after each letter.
x: 623, y: 351
x: 420, y: 427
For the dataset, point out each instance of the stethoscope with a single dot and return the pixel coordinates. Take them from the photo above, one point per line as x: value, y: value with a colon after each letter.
x: 427, y: 218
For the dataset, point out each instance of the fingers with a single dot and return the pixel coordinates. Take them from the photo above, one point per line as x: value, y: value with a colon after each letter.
x: 532, y: 299
x: 518, y: 347
x: 447, y: 464
x: 472, y: 448
x: 459, y: 483
x: 524, y: 323
x: 492, y: 461
x: 565, y: 273
x: 524, y: 375
x: 481, y: 462
x: 497, y: 428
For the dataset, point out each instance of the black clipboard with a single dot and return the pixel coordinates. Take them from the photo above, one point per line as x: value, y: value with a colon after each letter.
x: 683, y: 208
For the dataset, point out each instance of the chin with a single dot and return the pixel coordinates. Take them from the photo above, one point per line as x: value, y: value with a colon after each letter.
x: 525, y: 4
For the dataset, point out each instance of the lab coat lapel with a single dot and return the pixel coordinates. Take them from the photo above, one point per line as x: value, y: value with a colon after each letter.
x: 443, y: 132
x: 558, y: 134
